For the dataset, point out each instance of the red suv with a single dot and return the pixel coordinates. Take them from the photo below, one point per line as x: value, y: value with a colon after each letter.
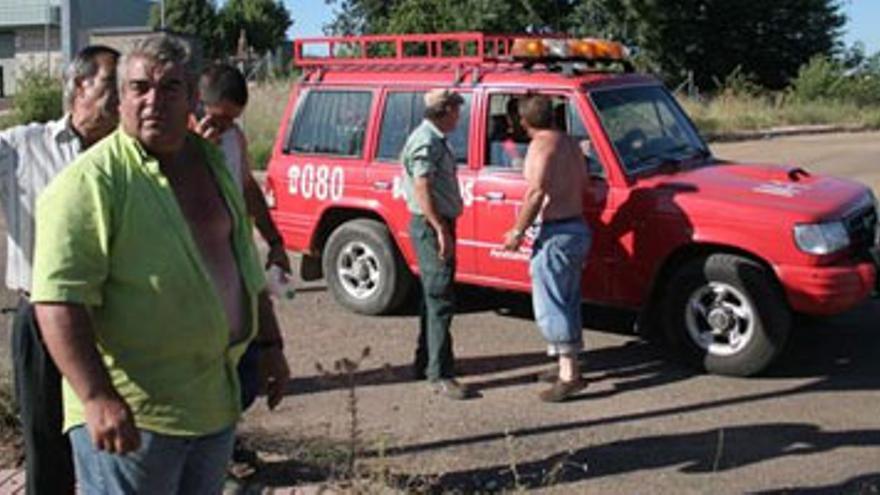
x: 715, y: 255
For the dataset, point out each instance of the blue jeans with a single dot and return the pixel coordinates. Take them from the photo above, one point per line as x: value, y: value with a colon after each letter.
x: 163, y: 464
x: 558, y: 255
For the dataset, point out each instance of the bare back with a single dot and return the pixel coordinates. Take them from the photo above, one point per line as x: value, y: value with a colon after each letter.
x: 554, y: 164
x: 211, y: 226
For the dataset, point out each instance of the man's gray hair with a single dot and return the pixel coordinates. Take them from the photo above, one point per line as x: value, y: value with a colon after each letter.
x: 163, y: 48
x: 83, y: 66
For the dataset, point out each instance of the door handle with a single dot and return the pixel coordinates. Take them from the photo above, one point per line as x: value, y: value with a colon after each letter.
x: 381, y: 185
x: 494, y: 195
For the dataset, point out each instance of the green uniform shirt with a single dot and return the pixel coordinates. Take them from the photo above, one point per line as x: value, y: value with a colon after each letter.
x: 111, y: 236
x: 427, y: 154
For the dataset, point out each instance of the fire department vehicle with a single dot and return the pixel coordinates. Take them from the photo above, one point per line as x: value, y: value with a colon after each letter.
x: 717, y: 256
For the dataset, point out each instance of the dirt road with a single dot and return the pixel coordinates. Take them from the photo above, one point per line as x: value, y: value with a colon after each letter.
x: 644, y: 425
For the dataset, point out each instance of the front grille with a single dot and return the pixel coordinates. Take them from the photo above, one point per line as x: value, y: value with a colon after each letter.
x: 862, y: 229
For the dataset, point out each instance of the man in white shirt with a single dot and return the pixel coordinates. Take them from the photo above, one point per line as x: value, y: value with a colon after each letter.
x: 30, y: 157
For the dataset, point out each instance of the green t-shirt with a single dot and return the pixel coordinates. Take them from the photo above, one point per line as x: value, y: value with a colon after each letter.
x: 427, y: 154
x: 111, y: 236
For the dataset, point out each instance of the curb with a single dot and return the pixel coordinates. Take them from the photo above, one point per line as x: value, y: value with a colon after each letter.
x: 784, y: 131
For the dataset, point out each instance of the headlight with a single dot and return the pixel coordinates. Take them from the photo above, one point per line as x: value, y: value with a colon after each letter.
x: 821, y: 238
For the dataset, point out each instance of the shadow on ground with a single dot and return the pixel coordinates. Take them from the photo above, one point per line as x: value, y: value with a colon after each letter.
x: 826, y: 355
x: 709, y: 451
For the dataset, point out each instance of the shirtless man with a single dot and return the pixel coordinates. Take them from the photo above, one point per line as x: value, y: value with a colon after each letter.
x: 146, y: 283
x: 555, y: 174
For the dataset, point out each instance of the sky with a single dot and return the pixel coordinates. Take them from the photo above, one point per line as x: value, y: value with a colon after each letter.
x: 310, y: 15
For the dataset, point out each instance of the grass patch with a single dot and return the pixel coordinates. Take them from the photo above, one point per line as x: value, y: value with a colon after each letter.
x: 731, y: 113
x: 262, y: 118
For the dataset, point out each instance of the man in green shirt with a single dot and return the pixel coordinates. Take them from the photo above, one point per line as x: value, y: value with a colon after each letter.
x: 146, y: 284
x: 433, y: 197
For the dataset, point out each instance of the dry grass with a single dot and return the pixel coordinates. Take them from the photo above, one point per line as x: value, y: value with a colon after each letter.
x: 262, y: 118
x: 726, y: 113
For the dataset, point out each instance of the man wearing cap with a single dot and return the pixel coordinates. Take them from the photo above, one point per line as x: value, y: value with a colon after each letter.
x: 432, y: 196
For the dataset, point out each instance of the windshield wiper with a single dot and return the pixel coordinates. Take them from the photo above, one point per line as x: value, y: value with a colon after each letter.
x: 671, y: 158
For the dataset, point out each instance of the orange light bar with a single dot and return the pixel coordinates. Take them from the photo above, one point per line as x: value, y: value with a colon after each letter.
x: 562, y: 48
x: 528, y: 48
x: 606, y: 49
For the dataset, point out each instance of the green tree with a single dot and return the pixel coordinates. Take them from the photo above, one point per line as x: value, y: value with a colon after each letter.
x: 193, y: 17
x: 766, y: 40
x: 355, y: 17
x: 264, y: 22
x: 769, y: 41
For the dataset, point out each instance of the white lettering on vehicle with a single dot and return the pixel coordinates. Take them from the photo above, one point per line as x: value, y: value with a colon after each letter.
x: 316, y: 181
x: 466, y: 186
x: 783, y: 189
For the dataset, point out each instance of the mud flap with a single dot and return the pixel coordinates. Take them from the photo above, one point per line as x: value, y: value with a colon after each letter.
x: 310, y: 268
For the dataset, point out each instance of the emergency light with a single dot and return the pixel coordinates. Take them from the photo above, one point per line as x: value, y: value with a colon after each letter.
x: 562, y: 48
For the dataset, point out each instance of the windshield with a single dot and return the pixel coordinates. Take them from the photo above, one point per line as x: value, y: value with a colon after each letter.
x: 647, y: 128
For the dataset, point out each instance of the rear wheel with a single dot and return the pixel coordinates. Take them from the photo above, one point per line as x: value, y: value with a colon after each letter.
x: 364, y: 269
x: 726, y: 314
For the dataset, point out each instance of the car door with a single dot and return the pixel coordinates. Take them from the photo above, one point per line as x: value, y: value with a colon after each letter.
x: 500, y: 189
x: 402, y: 111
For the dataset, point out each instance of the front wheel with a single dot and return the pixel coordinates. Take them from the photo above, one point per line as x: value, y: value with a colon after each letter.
x: 726, y: 314
x: 364, y: 269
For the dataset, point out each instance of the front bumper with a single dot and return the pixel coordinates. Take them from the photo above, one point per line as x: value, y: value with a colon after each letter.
x: 828, y: 290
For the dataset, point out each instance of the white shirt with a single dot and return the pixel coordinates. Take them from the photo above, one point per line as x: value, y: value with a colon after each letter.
x: 30, y: 157
x: 231, y: 143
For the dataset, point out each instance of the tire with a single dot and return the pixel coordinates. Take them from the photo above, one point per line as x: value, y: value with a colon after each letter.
x: 364, y: 269
x: 725, y: 314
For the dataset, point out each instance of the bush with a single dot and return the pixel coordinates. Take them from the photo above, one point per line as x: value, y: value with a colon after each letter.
x: 823, y: 79
x: 819, y: 79
x: 38, y: 98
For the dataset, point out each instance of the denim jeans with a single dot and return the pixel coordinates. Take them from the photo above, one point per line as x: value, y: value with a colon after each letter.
x: 163, y: 465
x: 434, y: 353
x: 558, y: 255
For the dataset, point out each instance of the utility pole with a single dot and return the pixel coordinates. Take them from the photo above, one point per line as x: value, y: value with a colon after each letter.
x: 46, y: 39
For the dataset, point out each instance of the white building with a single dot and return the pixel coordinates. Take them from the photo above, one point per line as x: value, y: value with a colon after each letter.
x: 43, y: 34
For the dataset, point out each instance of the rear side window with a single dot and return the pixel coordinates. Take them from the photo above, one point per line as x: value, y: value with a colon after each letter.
x: 331, y: 123
x: 404, y: 111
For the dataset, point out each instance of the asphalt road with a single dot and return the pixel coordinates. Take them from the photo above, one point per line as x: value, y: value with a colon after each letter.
x: 644, y: 425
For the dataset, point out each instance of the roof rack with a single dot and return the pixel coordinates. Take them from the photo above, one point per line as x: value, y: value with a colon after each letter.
x: 452, y: 50
x: 403, y: 49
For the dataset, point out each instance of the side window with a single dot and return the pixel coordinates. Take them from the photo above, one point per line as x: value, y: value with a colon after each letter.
x: 579, y: 132
x: 404, y: 110
x: 331, y: 123
x: 402, y: 113
x: 506, y: 139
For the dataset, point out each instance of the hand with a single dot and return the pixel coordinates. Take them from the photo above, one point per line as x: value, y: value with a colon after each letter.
x: 206, y: 128
x: 445, y: 242
x: 274, y: 375
x: 111, y: 425
x: 278, y: 256
x: 512, y: 239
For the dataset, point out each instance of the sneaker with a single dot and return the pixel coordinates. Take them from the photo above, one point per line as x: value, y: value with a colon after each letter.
x: 450, y: 388
x: 561, y: 390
